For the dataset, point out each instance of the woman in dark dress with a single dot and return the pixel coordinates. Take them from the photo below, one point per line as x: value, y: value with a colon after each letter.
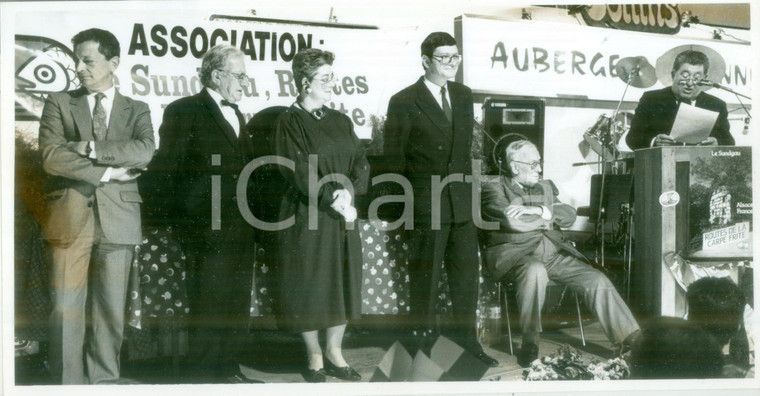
x: 320, y: 260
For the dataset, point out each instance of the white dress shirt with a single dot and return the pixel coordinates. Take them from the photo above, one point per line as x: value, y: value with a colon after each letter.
x: 227, y: 111
x: 436, y: 91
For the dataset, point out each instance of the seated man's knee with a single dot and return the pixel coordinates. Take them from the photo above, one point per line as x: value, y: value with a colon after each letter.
x: 599, y: 280
x: 534, y: 270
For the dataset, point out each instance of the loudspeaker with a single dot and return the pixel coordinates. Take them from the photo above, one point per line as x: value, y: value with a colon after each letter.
x: 513, y: 119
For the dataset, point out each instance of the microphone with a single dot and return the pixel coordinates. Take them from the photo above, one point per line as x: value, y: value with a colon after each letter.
x: 709, y: 83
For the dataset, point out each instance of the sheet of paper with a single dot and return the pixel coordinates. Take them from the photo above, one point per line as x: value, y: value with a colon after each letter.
x: 692, y: 124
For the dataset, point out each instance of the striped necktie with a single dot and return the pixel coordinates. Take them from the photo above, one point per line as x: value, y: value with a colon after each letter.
x: 99, y: 126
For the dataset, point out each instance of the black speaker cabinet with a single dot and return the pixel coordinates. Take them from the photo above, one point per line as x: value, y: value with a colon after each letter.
x: 512, y: 119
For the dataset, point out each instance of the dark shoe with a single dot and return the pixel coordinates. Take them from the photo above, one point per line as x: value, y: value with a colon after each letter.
x: 627, y: 344
x: 345, y: 373
x: 527, y: 354
x: 489, y: 361
x: 315, y: 375
x: 420, y: 340
x: 241, y: 379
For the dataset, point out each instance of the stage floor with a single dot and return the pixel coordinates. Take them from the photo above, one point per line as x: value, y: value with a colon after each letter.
x: 275, y: 358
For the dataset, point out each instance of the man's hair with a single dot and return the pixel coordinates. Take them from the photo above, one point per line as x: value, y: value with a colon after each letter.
x: 514, y: 148
x: 108, y: 44
x: 216, y: 59
x: 307, y: 61
x: 435, y: 40
x: 717, y: 306
x: 690, y: 57
x: 671, y: 348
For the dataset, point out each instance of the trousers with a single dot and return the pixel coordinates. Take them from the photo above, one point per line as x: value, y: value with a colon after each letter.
x: 95, y: 269
x: 532, y: 275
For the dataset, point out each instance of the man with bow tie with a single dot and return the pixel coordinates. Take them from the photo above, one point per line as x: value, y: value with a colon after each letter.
x: 203, y: 148
x: 530, y: 249
x: 657, y: 109
x: 94, y: 142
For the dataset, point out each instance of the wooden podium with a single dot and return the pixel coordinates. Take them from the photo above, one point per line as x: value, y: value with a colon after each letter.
x: 664, y: 177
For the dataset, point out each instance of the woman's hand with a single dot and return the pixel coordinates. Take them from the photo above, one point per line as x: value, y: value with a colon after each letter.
x: 342, y: 204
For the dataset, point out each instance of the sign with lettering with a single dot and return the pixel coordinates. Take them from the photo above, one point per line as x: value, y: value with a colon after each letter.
x: 653, y: 18
x: 528, y: 58
x: 161, y: 56
x: 720, y: 203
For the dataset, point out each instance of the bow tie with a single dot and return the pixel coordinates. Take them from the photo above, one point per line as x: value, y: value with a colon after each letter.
x: 226, y: 103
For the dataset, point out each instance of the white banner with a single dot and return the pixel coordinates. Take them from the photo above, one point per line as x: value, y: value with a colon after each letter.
x: 161, y: 55
x: 561, y: 60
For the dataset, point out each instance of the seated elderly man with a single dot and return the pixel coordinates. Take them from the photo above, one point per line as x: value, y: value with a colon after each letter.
x: 529, y: 248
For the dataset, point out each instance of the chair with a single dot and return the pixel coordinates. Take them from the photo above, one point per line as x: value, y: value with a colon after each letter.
x: 510, y: 285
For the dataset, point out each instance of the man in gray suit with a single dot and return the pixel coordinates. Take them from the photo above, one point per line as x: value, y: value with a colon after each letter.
x: 93, y: 141
x: 530, y: 248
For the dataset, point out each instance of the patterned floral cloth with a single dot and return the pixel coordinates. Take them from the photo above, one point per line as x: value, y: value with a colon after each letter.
x: 157, y: 280
x: 158, y: 299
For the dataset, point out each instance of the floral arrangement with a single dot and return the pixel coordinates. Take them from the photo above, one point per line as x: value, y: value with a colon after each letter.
x: 566, y: 364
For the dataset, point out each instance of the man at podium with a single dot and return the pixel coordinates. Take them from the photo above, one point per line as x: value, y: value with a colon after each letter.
x: 657, y: 109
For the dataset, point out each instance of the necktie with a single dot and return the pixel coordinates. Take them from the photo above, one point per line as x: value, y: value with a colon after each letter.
x: 99, y: 126
x: 239, y: 115
x: 445, y: 104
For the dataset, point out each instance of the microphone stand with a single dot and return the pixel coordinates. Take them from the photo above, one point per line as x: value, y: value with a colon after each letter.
x: 607, y: 138
x: 710, y: 83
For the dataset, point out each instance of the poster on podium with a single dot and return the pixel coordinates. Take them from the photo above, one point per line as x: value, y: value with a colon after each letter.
x: 720, y: 204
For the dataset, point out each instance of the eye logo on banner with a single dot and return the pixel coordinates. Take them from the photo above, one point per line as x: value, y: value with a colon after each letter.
x: 42, y: 66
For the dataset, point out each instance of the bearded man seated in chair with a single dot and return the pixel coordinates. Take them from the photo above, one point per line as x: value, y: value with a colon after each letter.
x: 529, y: 248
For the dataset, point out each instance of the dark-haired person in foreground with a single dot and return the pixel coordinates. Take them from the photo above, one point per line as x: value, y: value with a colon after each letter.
x: 428, y: 136
x: 203, y: 137
x: 673, y: 348
x: 657, y: 109
x: 92, y: 141
x: 320, y: 258
x: 529, y: 248
x: 717, y: 306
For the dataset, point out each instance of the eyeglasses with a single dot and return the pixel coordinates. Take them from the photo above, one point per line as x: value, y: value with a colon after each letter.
x: 241, y: 77
x: 327, y: 79
x: 446, y: 59
x: 690, y: 78
x: 533, y: 165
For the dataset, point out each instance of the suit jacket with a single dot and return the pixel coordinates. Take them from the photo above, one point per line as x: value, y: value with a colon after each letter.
x: 74, y: 186
x: 519, y: 237
x: 197, y: 144
x: 657, y: 111
x: 421, y: 143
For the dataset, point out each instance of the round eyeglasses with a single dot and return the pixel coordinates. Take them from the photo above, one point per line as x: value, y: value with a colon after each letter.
x: 533, y: 165
x: 241, y: 77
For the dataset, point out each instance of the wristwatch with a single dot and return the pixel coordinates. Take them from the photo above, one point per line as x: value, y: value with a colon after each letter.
x: 87, y: 149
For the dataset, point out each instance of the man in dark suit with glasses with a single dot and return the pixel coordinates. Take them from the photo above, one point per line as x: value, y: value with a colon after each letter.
x: 428, y: 135
x: 203, y: 148
x: 657, y: 109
